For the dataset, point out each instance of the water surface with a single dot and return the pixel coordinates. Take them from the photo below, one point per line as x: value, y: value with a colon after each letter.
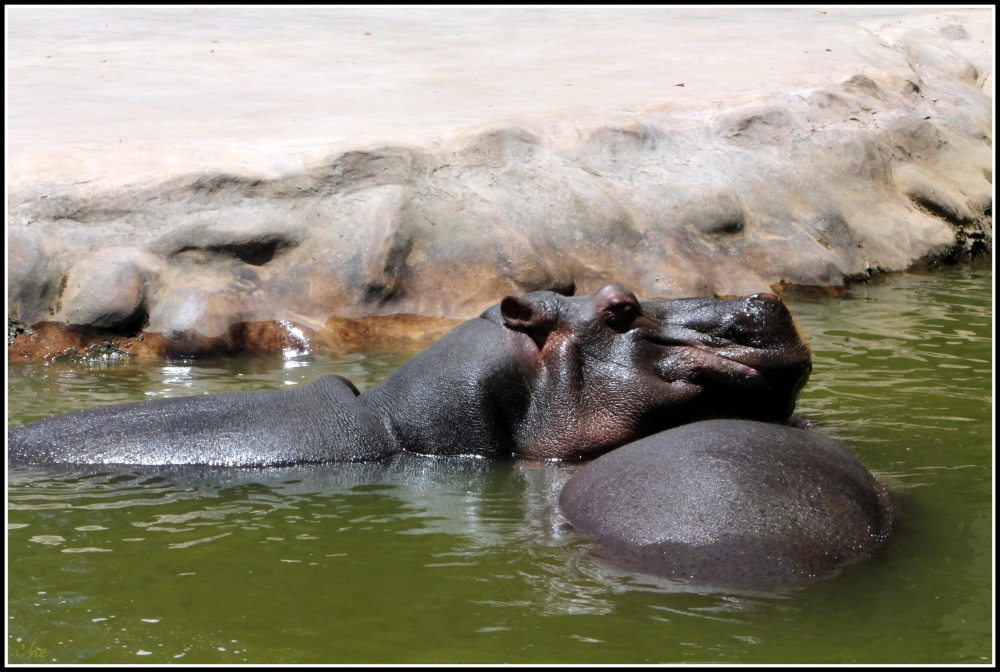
x: 445, y: 560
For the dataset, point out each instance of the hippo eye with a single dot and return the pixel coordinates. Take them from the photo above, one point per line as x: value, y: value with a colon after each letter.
x: 620, y: 316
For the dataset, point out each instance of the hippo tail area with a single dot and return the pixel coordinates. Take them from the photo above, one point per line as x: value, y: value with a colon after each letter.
x: 321, y: 422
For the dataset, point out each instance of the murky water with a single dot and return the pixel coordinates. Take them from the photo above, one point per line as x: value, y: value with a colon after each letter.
x: 425, y: 560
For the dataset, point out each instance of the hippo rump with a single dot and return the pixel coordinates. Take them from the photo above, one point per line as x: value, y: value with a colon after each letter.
x: 543, y: 376
x: 731, y: 502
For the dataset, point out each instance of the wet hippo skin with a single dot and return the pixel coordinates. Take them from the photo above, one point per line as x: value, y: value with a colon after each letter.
x: 731, y: 502
x: 542, y: 376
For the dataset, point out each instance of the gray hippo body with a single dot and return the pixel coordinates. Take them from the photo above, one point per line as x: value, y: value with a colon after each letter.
x: 731, y: 502
x: 318, y: 423
x: 542, y: 376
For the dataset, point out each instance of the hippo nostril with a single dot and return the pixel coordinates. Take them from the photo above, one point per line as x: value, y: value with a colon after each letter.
x: 766, y: 297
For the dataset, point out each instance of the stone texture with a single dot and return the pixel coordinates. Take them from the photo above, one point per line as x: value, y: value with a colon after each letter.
x: 60, y: 342
x: 874, y: 168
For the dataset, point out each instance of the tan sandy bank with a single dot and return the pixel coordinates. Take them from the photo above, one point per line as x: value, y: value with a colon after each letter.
x: 268, y: 89
x: 190, y: 169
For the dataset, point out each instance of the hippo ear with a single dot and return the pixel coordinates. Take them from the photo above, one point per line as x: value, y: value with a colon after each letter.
x: 535, y: 318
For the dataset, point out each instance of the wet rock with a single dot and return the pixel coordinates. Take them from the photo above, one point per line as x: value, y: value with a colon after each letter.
x: 56, y: 341
x: 15, y: 327
x: 105, y: 352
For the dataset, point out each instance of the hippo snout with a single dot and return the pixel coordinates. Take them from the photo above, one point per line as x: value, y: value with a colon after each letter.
x: 760, y: 320
x: 747, y: 352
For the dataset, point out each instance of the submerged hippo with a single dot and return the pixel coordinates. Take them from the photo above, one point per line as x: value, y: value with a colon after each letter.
x: 733, y: 502
x: 542, y: 375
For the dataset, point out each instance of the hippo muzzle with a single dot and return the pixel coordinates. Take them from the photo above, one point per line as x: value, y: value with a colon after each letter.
x: 745, y: 353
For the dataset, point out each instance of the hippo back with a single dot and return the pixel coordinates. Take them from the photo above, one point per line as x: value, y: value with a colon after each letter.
x: 321, y: 422
x: 732, y: 502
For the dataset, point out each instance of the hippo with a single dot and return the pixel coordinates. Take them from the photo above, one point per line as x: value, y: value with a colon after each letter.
x: 731, y: 502
x: 542, y: 375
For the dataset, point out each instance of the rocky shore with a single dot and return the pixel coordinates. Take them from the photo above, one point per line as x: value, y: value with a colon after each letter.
x: 880, y: 164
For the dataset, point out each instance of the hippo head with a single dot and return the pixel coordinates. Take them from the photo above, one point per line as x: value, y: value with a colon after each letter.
x: 608, y: 369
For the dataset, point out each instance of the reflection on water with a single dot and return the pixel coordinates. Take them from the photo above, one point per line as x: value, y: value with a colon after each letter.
x: 463, y: 560
x: 38, y: 390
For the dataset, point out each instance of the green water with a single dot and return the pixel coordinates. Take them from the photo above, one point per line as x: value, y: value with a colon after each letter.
x: 426, y: 560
